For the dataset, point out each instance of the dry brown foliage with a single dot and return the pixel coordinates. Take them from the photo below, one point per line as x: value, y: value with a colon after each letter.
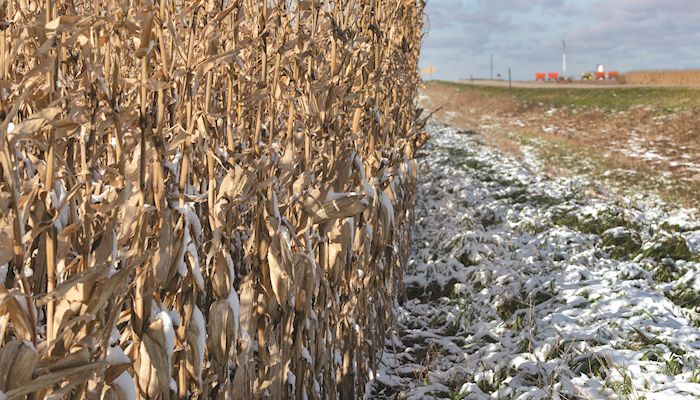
x: 662, y: 77
x: 203, y: 198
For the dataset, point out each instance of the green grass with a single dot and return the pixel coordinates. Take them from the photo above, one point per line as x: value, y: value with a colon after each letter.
x: 667, y: 245
x: 590, y: 224
x: 621, y: 245
x: 685, y: 297
x: 613, y: 99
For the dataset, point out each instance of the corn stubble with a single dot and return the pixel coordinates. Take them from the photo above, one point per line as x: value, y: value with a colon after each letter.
x: 203, y: 199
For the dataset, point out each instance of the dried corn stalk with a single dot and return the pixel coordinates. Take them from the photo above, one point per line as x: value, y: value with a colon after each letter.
x: 203, y: 198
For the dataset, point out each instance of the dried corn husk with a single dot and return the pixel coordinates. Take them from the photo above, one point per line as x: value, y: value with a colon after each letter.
x: 203, y: 199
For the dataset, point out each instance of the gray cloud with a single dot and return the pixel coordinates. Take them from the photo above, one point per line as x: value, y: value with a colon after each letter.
x: 527, y: 34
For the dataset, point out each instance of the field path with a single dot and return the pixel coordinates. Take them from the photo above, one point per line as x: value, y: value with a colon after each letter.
x: 522, y: 287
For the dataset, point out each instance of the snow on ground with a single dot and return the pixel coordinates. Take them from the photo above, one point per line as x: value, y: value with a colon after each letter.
x: 522, y: 287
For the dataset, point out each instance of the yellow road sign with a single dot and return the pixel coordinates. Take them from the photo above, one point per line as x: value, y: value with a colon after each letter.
x: 429, y: 70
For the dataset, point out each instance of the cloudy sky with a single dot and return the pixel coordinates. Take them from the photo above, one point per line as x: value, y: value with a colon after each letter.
x: 526, y: 35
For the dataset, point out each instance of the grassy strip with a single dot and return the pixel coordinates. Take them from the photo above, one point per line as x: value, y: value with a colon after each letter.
x: 612, y: 99
x: 626, y: 176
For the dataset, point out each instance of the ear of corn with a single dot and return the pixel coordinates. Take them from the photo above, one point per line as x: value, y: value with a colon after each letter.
x: 203, y: 199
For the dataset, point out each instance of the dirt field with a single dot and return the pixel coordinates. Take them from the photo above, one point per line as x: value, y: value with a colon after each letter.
x: 640, y: 142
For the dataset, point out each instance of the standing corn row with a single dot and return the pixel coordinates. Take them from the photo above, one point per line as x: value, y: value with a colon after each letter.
x: 203, y: 198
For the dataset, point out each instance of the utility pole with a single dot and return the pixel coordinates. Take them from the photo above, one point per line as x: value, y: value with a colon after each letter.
x: 510, y: 82
x: 491, y: 66
x: 563, y: 58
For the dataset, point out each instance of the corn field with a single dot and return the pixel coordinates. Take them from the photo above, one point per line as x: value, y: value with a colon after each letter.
x: 203, y: 199
x: 662, y: 77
